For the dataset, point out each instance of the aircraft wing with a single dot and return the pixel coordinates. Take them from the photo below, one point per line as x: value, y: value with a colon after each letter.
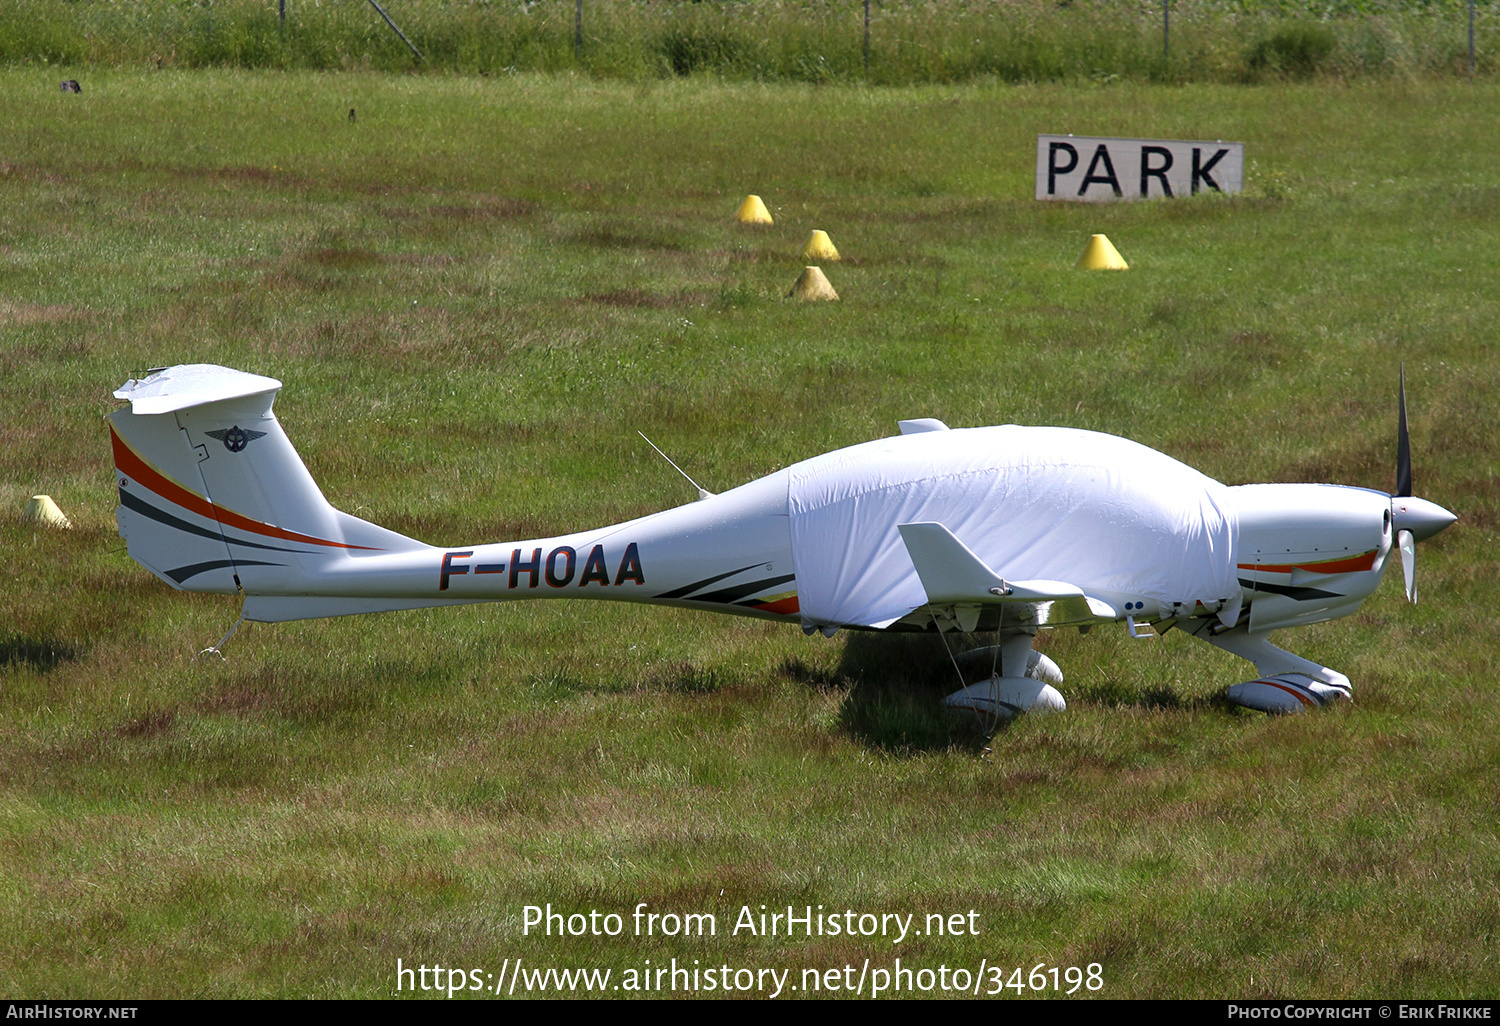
x: 954, y: 577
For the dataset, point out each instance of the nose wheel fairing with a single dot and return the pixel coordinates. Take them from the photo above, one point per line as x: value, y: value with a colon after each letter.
x: 1289, y: 683
x: 1286, y: 693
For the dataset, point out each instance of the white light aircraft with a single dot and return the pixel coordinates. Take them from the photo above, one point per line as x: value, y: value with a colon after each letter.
x: 1005, y: 529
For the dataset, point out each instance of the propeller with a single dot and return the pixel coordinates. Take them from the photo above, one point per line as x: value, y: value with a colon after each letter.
x: 1403, y: 443
x: 1414, y: 519
x: 1408, y: 546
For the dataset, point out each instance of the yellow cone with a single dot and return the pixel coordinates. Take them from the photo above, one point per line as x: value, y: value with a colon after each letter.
x: 753, y: 211
x: 1101, y: 255
x: 812, y: 285
x: 819, y: 247
x: 44, y: 511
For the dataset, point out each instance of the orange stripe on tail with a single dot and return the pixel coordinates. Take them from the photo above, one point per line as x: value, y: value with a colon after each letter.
x: 134, y: 466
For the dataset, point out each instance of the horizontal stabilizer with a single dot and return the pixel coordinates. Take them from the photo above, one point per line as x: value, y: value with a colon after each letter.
x: 169, y: 389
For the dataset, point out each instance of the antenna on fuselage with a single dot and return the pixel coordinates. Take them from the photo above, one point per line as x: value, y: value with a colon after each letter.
x: 703, y: 493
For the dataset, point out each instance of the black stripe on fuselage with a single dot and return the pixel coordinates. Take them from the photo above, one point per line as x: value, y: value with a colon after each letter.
x: 1300, y: 594
x: 687, y: 588
x: 739, y: 591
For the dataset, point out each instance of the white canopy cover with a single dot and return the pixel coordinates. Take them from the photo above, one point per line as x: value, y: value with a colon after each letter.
x: 1035, y: 503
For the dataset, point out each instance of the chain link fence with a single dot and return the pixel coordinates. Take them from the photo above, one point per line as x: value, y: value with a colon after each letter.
x: 881, y: 42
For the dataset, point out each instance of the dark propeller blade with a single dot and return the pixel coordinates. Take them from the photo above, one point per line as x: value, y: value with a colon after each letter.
x: 1403, y: 446
x: 1413, y: 519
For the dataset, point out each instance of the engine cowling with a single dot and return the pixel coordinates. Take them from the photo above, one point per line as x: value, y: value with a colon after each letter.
x: 1309, y: 552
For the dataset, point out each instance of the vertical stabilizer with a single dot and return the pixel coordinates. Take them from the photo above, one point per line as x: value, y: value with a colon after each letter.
x: 212, y: 495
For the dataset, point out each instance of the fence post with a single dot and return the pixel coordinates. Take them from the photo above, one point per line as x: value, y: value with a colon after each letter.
x: 1166, y: 29
x: 578, y: 30
x: 397, y: 30
x: 867, y: 36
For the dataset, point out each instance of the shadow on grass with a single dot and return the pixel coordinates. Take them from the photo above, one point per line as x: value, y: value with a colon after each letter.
x: 896, y: 686
x: 1113, y: 693
x: 40, y: 654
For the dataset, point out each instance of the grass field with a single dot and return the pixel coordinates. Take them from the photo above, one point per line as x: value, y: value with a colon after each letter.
x: 881, y: 42
x: 478, y: 290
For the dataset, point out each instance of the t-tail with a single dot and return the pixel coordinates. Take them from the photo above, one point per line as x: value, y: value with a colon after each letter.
x: 213, y: 497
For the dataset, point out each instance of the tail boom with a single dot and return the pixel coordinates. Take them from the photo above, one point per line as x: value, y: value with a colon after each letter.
x: 213, y: 498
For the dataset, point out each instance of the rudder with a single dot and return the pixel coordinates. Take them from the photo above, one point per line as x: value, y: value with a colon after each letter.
x: 213, y: 497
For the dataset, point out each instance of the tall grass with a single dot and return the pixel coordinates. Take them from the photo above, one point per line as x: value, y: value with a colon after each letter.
x: 909, y: 42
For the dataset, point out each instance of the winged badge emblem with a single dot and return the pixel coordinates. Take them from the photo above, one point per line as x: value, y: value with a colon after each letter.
x: 236, y: 438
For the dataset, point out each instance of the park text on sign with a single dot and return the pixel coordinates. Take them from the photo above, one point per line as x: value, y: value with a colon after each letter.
x: 1086, y: 169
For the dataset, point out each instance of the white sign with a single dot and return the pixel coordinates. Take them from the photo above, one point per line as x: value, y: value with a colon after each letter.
x: 1086, y: 169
